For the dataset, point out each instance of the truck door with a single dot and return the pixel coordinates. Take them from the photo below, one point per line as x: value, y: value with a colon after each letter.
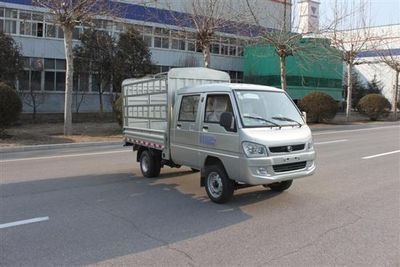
x: 214, y: 139
x: 185, y: 132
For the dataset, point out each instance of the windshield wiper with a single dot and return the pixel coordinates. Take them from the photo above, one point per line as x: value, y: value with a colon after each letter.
x: 287, y: 119
x: 262, y: 119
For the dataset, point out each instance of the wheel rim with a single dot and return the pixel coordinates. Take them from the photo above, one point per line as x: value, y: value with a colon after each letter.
x: 214, y: 184
x: 145, y: 163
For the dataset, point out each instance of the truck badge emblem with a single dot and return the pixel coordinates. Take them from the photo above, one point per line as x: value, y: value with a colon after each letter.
x: 289, y: 148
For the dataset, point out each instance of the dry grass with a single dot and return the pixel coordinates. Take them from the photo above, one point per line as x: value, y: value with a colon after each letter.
x: 52, y: 133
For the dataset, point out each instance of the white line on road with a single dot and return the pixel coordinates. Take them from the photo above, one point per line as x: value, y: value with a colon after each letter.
x: 331, y: 142
x: 383, y: 154
x: 34, y: 220
x: 66, y: 156
x: 356, y: 130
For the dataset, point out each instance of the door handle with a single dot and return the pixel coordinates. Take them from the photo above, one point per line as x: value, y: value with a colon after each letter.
x: 178, y: 125
x: 205, y: 127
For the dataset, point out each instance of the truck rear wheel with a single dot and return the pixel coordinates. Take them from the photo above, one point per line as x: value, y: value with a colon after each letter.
x: 149, y: 164
x: 219, y: 187
x: 280, y: 186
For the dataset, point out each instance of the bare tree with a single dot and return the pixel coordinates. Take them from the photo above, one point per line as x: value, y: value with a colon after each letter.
x: 33, y: 99
x: 206, y: 18
x: 282, y: 39
x: 285, y: 38
x: 388, y: 58
x: 68, y: 14
x: 351, y: 42
x: 79, y: 97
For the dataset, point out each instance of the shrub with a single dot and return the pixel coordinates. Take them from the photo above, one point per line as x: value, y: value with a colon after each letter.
x: 374, y: 106
x: 117, y: 108
x: 10, y: 106
x: 319, y: 106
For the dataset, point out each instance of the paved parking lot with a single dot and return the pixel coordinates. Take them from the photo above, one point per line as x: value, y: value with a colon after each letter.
x: 92, y: 206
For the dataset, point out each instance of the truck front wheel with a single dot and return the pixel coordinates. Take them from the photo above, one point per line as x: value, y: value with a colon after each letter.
x: 219, y: 187
x: 149, y: 164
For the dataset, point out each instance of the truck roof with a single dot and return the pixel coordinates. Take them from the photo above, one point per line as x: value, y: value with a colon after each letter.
x: 226, y: 87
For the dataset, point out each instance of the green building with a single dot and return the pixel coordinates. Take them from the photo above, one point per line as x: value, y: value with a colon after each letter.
x: 315, y: 67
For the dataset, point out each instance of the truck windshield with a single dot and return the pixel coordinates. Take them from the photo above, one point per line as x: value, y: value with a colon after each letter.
x: 267, y: 109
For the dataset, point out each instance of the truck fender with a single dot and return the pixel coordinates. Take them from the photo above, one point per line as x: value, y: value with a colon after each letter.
x: 210, y: 160
x: 153, y: 152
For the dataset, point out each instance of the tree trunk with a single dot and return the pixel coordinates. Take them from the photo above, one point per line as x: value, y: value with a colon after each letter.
x: 33, y: 106
x: 206, y: 55
x: 282, y: 60
x: 101, y: 105
x: 396, y: 93
x: 68, y: 80
x: 349, y: 89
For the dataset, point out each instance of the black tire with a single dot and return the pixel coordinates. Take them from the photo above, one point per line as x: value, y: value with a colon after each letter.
x: 150, y: 165
x: 219, y: 187
x: 280, y: 186
x: 194, y: 170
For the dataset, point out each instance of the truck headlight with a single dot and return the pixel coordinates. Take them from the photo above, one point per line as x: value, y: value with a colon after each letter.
x: 310, y: 145
x: 253, y: 150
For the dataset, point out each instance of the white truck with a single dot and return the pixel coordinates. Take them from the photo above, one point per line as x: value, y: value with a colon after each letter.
x: 236, y: 135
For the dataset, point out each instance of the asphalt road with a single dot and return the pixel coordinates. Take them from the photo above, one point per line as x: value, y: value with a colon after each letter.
x: 92, y: 206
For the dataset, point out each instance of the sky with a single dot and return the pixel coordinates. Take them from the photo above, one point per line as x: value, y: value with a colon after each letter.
x: 383, y: 12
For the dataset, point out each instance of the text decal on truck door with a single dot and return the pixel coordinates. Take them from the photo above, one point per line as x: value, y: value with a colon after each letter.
x: 207, y: 139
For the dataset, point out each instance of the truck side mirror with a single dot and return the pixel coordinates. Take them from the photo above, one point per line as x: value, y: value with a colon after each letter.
x: 227, y: 121
x: 304, y: 115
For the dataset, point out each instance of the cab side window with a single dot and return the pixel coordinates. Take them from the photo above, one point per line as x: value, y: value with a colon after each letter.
x: 216, y: 105
x: 188, y: 109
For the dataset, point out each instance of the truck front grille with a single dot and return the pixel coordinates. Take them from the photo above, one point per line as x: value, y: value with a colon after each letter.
x: 289, y: 166
x: 289, y: 148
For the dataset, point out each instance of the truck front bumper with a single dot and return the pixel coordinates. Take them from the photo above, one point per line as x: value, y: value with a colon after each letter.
x: 259, y: 171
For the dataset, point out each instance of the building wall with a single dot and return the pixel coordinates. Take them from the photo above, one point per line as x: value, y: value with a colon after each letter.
x: 41, y: 41
x: 310, y: 70
x: 382, y: 39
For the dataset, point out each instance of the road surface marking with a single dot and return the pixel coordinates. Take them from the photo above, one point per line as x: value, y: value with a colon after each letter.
x: 331, y: 142
x: 34, y: 220
x: 66, y: 156
x: 383, y: 154
x: 356, y: 130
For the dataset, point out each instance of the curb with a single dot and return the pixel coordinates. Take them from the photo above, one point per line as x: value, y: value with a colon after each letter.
x: 57, y: 146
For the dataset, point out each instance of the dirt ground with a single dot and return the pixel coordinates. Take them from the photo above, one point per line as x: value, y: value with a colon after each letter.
x: 52, y: 133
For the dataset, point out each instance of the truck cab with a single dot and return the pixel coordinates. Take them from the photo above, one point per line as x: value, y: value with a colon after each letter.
x: 240, y: 135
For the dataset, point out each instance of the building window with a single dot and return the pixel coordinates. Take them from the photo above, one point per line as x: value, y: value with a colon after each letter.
x: 25, y: 28
x: 24, y: 81
x: 49, y: 79
x: 36, y: 80
x: 161, y: 42
x: 161, y: 38
x: 51, y: 30
x: 54, y: 76
x: 60, y: 81
x: 11, y: 13
x: 10, y: 26
x: 177, y: 40
x: 178, y: 44
x: 191, y: 45
x: 214, y: 49
x: 148, y: 40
